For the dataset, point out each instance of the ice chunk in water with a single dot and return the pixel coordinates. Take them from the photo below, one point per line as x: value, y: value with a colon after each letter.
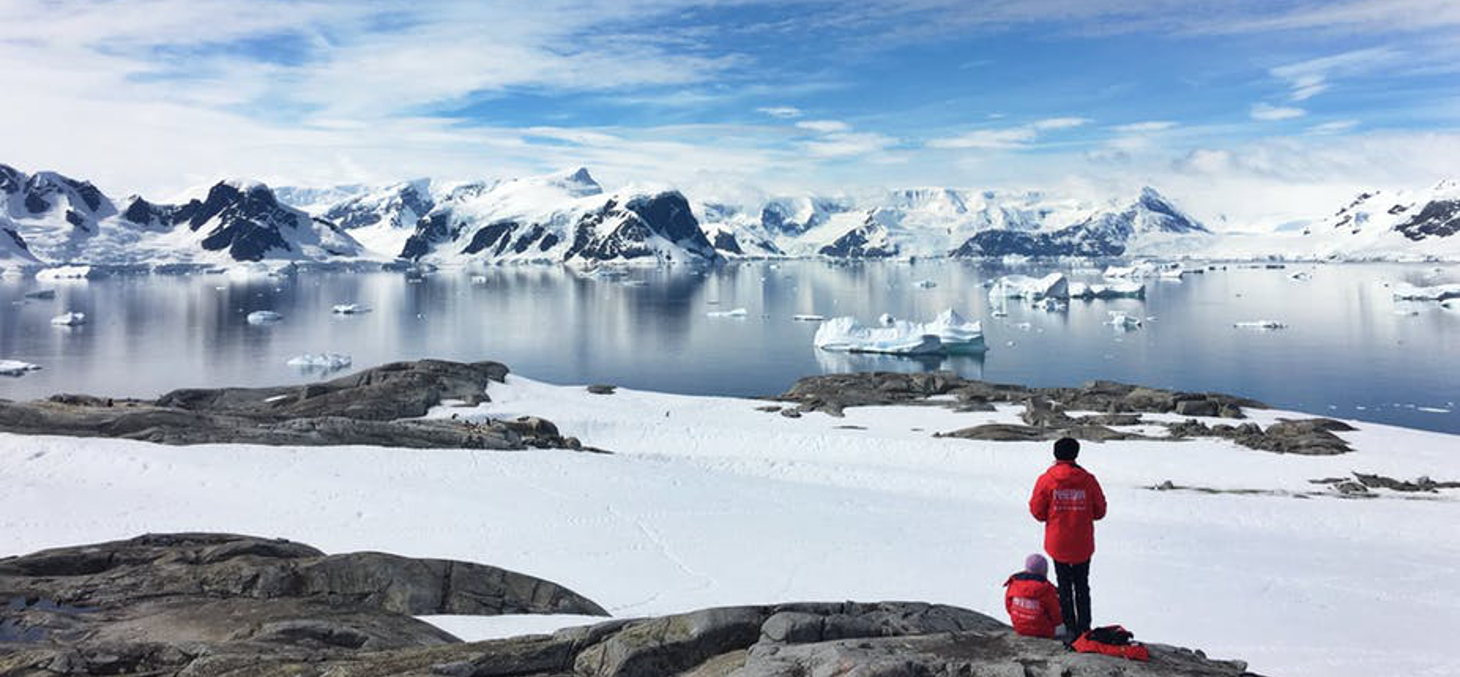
x: 16, y: 367
x: 320, y: 362
x: 264, y: 317
x: 738, y: 312
x: 69, y: 319
x: 1053, y: 285
x: 349, y: 309
x: 948, y: 333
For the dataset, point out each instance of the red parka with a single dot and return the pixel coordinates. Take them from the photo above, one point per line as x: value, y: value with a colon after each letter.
x: 1033, y: 605
x: 1068, y: 500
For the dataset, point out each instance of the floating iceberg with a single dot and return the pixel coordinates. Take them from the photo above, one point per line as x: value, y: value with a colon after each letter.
x: 1300, y: 276
x: 320, y: 362
x: 886, y: 319
x: 264, y: 317
x: 1442, y: 292
x: 41, y: 294
x: 1170, y: 270
x: 925, y: 284
x: 16, y: 367
x: 1121, y: 320
x: 479, y: 279
x: 64, y: 273
x: 1120, y: 289
x: 808, y: 317
x: 1263, y: 325
x: 69, y: 319
x: 947, y: 334
x: 349, y: 309
x: 738, y: 312
x: 1053, y: 285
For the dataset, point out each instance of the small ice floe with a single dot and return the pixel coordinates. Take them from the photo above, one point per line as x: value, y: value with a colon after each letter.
x: 41, y: 294
x: 263, y: 317
x: 320, y: 362
x: 1300, y: 276
x: 1121, y: 320
x: 69, y: 319
x: 808, y: 317
x: 1170, y: 271
x: 479, y: 279
x: 1053, y: 285
x: 1260, y: 325
x: 64, y: 273
x: 738, y: 312
x: 949, y: 333
x: 1427, y: 410
x: 925, y: 284
x: 16, y: 368
x: 349, y: 309
x: 886, y: 319
x: 1441, y: 292
x: 1050, y: 305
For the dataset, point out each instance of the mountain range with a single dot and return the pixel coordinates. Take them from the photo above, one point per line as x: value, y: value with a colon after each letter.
x: 567, y: 217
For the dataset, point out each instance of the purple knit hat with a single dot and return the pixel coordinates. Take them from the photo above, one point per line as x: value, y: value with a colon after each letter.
x: 1036, y: 564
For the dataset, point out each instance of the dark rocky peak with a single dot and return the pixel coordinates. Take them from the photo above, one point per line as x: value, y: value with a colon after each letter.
x: 1438, y: 218
x: 669, y: 215
x: 633, y: 223
x: 1169, y: 218
x: 867, y: 241
x: 11, y: 180
x: 235, y: 199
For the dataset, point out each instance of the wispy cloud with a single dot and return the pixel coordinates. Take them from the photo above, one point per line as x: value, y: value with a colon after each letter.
x: 1006, y: 138
x: 1268, y: 112
x: 1145, y: 127
x: 1333, y: 127
x: 824, y: 126
x: 1309, y: 78
x: 783, y: 112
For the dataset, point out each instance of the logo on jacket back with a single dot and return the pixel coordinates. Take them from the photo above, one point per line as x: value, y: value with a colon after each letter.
x: 1070, y: 500
x: 1027, y: 603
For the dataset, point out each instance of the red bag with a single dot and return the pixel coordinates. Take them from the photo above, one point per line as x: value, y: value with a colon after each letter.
x: 1111, y: 640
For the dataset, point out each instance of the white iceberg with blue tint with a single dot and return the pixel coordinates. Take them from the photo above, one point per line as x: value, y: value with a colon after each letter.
x: 1119, y: 289
x: 263, y: 317
x: 1441, y: 292
x: 349, y: 309
x: 949, y: 333
x: 1261, y: 325
x: 16, y: 367
x: 1053, y: 285
x: 64, y: 273
x: 1121, y: 320
x: 69, y: 319
x: 738, y: 312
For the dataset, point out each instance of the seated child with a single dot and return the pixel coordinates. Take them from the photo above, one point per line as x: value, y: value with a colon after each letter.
x: 1033, y: 604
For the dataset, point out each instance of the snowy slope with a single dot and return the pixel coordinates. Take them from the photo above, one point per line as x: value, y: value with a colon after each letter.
x: 381, y: 218
x: 1150, y: 222
x: 561, y: 218
x: 14, y: 254
x: 709, y: 502
x: 60, y: 218
x: 1380, y: 225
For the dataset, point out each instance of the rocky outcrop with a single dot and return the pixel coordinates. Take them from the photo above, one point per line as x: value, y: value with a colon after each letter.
x: 165, y: 603
x: 1046, y: 417
x: 377, y: 406
x: 209, y: 605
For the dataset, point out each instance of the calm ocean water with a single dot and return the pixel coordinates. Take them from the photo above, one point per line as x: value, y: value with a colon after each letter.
x: 1349, y: 350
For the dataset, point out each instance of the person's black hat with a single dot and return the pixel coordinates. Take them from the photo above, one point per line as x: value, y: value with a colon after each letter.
x: 1066, y: 448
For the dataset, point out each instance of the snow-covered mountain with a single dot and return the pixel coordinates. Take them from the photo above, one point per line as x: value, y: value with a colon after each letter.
x: 1149, y: 223
x: 380, y: 218
x: 14, y: 254
x: 63, y: 220
x: 563, y: 218
x: 1387, y: 225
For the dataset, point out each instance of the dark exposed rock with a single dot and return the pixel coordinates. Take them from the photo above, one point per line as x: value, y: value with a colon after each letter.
x: 599, y: 389
x: 1312, y: 437
x: 867, y: 241
x: 169, y: 603
x: 377, y: 406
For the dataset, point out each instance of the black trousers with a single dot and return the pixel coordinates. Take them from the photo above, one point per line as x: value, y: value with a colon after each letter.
x: 1074, y: 586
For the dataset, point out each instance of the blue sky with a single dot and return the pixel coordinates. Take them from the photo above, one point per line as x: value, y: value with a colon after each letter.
x: 1266, y: 101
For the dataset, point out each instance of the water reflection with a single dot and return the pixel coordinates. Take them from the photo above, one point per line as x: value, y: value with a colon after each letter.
x: 1345, y: 350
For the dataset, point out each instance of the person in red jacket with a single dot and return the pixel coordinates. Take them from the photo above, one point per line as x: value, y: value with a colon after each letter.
x: 1069, y: 501
x: 1032, y: 603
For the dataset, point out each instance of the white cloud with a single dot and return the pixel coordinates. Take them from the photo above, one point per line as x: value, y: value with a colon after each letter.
x: 1309, y: 78
x: 1006, y: 138
x: 1333, y: 127
x: 1268, y: 112
x: 1144, y: 127
x: 784, y: 112
x: 824, y: 126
